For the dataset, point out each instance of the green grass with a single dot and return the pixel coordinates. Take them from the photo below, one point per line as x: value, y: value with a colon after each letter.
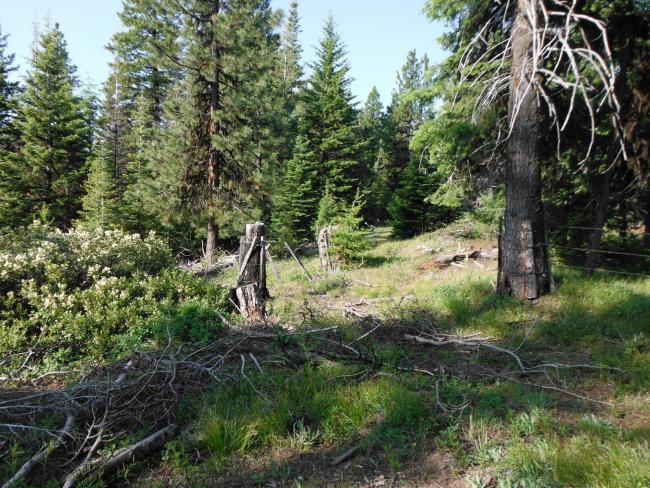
x: 514, y: 435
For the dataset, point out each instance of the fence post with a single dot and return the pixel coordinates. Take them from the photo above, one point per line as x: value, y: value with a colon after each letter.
x: 251, y: 288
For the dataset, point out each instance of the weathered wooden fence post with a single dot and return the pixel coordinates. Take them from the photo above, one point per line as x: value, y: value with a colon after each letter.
x: 251, y: 288
x: 324, y: 239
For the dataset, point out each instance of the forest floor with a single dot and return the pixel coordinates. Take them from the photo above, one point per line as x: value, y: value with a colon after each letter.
x: 457, y: 414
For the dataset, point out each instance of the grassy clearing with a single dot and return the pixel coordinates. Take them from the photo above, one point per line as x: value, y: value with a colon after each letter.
x: 283, y: 427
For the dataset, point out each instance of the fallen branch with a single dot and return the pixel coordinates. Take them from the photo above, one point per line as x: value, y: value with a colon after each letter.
x: 345, y: 456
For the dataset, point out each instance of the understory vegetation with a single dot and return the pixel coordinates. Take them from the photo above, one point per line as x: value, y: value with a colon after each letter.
x: 96, y: 295
x: 223, y: 270
x: 408, y: 414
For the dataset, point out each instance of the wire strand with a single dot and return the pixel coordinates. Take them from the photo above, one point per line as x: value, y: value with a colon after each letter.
x: 602, y: 270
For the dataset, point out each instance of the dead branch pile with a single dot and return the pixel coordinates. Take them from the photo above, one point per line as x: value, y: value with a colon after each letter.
x: 143, y: 392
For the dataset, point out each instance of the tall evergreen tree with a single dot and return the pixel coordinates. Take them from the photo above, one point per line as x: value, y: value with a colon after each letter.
x: 297, y: 198
x: 290, y: 52
x: 329, y: 121
x: 228, y: 61
x: 329, y: 147
x: 372, y: 131
x: 8, y: 98
x: 405, y: 114
x: 9, y: 91
x: 55, y: 136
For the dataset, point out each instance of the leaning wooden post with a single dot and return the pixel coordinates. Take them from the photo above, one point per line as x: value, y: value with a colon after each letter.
x: 251, y: 288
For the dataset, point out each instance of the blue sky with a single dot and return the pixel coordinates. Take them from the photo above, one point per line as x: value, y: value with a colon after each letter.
x: 378, y: 34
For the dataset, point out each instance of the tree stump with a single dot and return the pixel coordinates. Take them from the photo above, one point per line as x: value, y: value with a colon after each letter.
x: 324, y: 239
x: 251, y: 288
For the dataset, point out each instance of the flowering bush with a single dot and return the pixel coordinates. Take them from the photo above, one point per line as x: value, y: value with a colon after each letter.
x: 69, y: 296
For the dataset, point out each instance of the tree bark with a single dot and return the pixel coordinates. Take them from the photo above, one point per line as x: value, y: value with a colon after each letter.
x: 601, y: 190
x: 646, y: 217
x: 214, y: 157
x: 525, y: 268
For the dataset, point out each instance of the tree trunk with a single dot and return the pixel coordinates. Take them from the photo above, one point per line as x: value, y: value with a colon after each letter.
x: 214, y: 155
x: 525, y: 268
x: 251, y: 289
x: 646, y: 217
x: 601, y: 189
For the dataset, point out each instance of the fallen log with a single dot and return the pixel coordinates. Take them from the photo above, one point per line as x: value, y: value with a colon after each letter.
x: 444, y: 260
x: 107, y: 464
x: 204, y: 271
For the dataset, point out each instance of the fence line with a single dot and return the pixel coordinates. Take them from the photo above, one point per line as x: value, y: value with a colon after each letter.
x: 596, y: 228
x: 602, y: 270
x: 602, y: 251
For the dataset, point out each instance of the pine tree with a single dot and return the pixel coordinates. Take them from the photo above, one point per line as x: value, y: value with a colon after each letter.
x: 9, y: 136
x: 228, y: 101
x: 55, y: 136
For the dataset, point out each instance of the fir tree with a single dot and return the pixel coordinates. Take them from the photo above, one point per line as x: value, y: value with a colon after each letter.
x: 329, y: 121
x: 405, y: 114
x: 293, y: 215
x: 55, y: 136
x: 329, y: 208
x: 101, y: 201
x: 9, y: 183
x: 290, y: 52
x: 8, y: 98
x: 140, y: 203
x: 372, y: 128
x: 410, y: 210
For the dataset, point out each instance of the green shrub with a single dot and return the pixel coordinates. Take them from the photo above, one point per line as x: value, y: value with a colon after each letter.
x: 76, y: 295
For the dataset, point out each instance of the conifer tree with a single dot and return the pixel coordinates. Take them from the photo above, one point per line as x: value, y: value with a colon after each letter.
x: 372, y: 132
x: 55, y: 136
x: 229, y: 98
x: 329, y: 121
x: 9, y: 136
x: 290, y: 52
x: 8, y: 98
x: 411, y: 212
x: 405, y: 114
x: 293, y: 215
x: 101, y: 202
x: 139, y: 201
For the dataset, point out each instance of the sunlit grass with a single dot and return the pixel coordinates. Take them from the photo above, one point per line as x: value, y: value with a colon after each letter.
x: 530, y: 438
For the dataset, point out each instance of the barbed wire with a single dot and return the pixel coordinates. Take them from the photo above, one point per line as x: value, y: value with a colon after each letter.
x: 602, y: 270
x: 602, y: 251
x: 636, y: 234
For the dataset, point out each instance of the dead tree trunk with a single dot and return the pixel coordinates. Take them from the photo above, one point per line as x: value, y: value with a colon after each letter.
x: 324, y: 255
x: 525, y: 268
x: 251, y: 288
